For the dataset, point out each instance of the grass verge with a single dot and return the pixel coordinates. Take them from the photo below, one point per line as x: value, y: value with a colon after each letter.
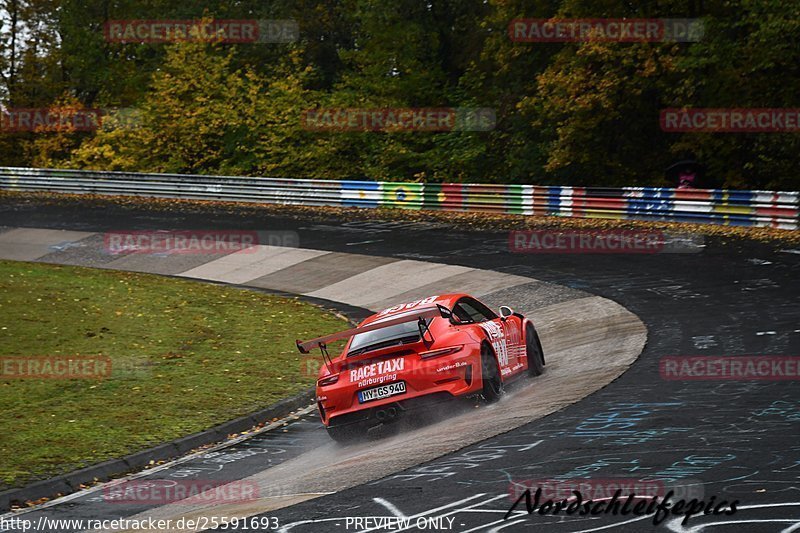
x: 184, y: 356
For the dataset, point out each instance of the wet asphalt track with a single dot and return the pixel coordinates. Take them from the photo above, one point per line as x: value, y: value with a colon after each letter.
x: 741, y: 440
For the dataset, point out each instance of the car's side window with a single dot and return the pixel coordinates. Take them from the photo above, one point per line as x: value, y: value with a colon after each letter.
x: 469, y: 310
x: 462, y: 314
x: 487, y: 313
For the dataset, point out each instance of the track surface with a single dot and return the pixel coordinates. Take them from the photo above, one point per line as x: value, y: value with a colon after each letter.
x: 589, y: 342
x: 739, y: 439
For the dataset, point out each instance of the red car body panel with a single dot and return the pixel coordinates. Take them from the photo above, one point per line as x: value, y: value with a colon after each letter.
x: 448, y: 366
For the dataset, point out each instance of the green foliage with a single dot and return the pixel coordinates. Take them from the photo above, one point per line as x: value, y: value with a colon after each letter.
x: 200, y: 115
x: 750, y: 57
x: 571, y: 113
x: 598, y: 105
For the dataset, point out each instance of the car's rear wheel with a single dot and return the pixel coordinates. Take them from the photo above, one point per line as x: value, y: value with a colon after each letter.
x: 533, y: 349
x: 490, y: 372
x: 342, y: 434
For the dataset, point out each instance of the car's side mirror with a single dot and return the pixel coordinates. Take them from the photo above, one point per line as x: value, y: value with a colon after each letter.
x: 505, y: 312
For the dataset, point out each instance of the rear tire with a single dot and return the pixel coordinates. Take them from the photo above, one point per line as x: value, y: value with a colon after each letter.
x: 342, y: 434
x: 490, y: 373
x: 533, y: 349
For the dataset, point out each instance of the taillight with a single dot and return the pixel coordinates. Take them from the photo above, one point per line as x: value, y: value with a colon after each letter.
x: 441, y: 351
x: 330, y: 380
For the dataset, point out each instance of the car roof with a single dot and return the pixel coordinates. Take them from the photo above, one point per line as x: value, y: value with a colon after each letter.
x: 447, y: 300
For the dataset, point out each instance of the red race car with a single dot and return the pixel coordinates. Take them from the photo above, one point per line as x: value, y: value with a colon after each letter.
x: 411, y: 355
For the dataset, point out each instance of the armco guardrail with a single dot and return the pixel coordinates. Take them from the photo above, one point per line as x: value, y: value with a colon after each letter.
x: 739, y: 208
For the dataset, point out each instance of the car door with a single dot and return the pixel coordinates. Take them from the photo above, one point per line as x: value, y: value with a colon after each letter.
x: 515, y: 342
x: 503, y: 335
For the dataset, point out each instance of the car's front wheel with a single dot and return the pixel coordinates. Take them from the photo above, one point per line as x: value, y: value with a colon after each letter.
x: 533, y: 349
x: 490, y: 372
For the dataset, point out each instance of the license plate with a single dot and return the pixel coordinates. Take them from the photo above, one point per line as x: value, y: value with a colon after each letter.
x: 384, y: 391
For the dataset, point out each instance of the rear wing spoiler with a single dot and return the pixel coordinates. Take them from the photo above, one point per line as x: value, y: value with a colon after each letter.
x: 321, y: 342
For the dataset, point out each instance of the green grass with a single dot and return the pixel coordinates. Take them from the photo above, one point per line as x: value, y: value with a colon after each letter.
x: 185, y: 356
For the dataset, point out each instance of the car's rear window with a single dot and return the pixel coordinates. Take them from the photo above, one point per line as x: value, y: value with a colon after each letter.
x: 405, y: 332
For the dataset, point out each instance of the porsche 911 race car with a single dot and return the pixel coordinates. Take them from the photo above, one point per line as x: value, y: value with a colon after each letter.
x: 414, y: 354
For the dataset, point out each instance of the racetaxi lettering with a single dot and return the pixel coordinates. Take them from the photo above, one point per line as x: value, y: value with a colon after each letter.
x: 377, y: 369
x: 498, y: 340
x: 410, y: 305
